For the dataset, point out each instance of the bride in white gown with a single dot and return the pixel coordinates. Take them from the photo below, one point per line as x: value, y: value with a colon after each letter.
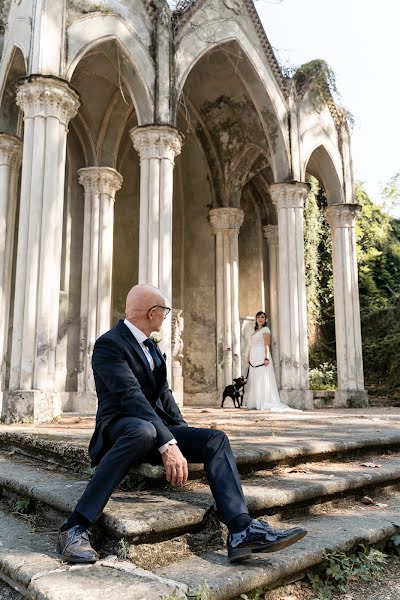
x: 261, y: 391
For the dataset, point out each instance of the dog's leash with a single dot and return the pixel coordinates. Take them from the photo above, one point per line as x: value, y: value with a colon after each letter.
x: 254, y: 367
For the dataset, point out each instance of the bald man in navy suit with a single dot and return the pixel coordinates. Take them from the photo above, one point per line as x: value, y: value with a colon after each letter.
x: 137, y: 416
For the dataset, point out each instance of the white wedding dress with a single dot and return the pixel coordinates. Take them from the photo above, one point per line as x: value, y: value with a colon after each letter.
x: 261, y: 391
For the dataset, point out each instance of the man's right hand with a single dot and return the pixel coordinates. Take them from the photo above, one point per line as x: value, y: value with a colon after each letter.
x: 176, y: 469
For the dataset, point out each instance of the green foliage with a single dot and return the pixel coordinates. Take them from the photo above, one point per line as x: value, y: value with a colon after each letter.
x: 319, y: 279
x: 339, y: 569
x: 319, y: 78
x: 89, y: 7
x: 123, y: 549
x: 378, y: 257
x: 201, y: 593
x: 175, y: 596
x: 391, y: 192
x: 323, y: 377
x: 256, y: 594
x: 378, y: 247
x: 23, y: 506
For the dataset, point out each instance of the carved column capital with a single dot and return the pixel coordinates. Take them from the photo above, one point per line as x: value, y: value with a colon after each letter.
x: 289, y: 195
x: 157, y: 141
x: 222, y: 219
x: 47, y: 97
x: 100, y: 180
x: 342, y: 215
x: 271, y: 233
x: 10, y: 150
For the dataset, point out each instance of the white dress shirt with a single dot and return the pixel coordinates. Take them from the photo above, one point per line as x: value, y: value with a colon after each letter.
x: 140, y: 338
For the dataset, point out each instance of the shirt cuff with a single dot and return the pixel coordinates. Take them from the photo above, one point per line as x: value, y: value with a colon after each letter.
x: 163, y: 448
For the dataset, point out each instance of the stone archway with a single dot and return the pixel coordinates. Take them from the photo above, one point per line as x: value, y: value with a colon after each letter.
x: 101, y: 164
x: 228, y: 147
x: 341, y: 217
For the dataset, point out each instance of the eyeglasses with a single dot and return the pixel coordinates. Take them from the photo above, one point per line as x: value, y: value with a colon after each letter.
x: 166, y: 310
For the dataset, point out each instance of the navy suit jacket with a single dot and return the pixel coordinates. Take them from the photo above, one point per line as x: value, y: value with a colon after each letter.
x: 126, y: 386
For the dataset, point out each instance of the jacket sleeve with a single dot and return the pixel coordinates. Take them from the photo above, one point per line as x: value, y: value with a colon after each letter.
x: 170, y: 406
x: 110, y: 365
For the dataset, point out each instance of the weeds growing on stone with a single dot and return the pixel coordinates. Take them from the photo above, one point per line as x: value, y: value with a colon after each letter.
x: 23, y: 506
x: 201, y: 593
x: 339, y: 569
x: 123, y: 549
x: 253, y: 595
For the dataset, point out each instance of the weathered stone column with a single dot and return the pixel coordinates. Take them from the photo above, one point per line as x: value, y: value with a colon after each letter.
x: 226, y: 223
x: 157, y: 146
x: 289, y: 199
x: 271, y: 234
x: 101, y: 185
x: 10, y: 162
x: 350, y: 392
x: 48, y: 105
x: 177, y: 355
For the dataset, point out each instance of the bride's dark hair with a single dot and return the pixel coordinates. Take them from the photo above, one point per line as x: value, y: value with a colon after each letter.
x: 261, y: 312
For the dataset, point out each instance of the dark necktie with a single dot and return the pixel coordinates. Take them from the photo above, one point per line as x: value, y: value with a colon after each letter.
x: 154, y: 355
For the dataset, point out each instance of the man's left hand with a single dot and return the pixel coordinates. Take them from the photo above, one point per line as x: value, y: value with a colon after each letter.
x: 176, y: 469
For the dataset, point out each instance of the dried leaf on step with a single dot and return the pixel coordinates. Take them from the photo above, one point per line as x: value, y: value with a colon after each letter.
x: 370, y: 465
x: 381, y: 504
x: 367, y: 500
x: 213, y: 425
x: 299, y: 470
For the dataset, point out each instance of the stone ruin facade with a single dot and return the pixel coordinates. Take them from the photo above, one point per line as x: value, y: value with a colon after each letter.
x: 144, y: 144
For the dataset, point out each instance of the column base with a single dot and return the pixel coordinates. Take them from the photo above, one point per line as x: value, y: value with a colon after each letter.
x: 351, y: 399
x: 34, y: 406
x: 300, y: 399
x: 177, y: 383
x: 83, y: 403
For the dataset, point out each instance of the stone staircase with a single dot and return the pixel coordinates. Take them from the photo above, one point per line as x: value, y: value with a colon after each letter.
x: 157, y: 542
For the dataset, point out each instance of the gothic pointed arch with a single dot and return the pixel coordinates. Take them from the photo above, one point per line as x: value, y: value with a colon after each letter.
x: 130, y: 55
x: 321, y: 165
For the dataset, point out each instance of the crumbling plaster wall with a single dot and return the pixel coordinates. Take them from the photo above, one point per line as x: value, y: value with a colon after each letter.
x: 198, y: 278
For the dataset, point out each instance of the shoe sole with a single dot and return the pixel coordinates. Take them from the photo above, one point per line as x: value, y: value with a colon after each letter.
x: 77, y: 561
x: 243, y: 553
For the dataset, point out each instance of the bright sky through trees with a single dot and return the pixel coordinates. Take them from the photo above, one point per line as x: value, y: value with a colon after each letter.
x: 360, y: 40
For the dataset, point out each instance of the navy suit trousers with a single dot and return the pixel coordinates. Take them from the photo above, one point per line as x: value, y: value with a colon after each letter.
x: 133, y: 441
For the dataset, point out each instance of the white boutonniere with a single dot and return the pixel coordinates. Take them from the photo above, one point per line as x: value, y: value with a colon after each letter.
x: 156, y: 337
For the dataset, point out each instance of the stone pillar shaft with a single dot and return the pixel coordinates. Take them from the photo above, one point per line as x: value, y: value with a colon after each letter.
x: 101, y: 185
x: 342, y: 218
x: 289, y: 199
x: 10, y: 162
x: 226, y: 223
x: 48, y: 105
x: 272, y: 235
x: 157, y: 146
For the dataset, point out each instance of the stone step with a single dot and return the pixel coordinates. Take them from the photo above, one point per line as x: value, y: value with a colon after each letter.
x: 263, y: 445
x: 340, y: 530
x: 148, y: 517
x: 28, y: 562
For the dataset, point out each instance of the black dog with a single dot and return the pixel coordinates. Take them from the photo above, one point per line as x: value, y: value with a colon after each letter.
x: 235, y: 392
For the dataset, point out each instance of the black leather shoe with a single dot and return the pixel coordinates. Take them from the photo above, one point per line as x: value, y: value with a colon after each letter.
x: 73, y: 546
x: 261, y: 537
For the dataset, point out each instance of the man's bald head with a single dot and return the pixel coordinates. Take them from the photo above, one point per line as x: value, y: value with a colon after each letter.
x: 140, y: 299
